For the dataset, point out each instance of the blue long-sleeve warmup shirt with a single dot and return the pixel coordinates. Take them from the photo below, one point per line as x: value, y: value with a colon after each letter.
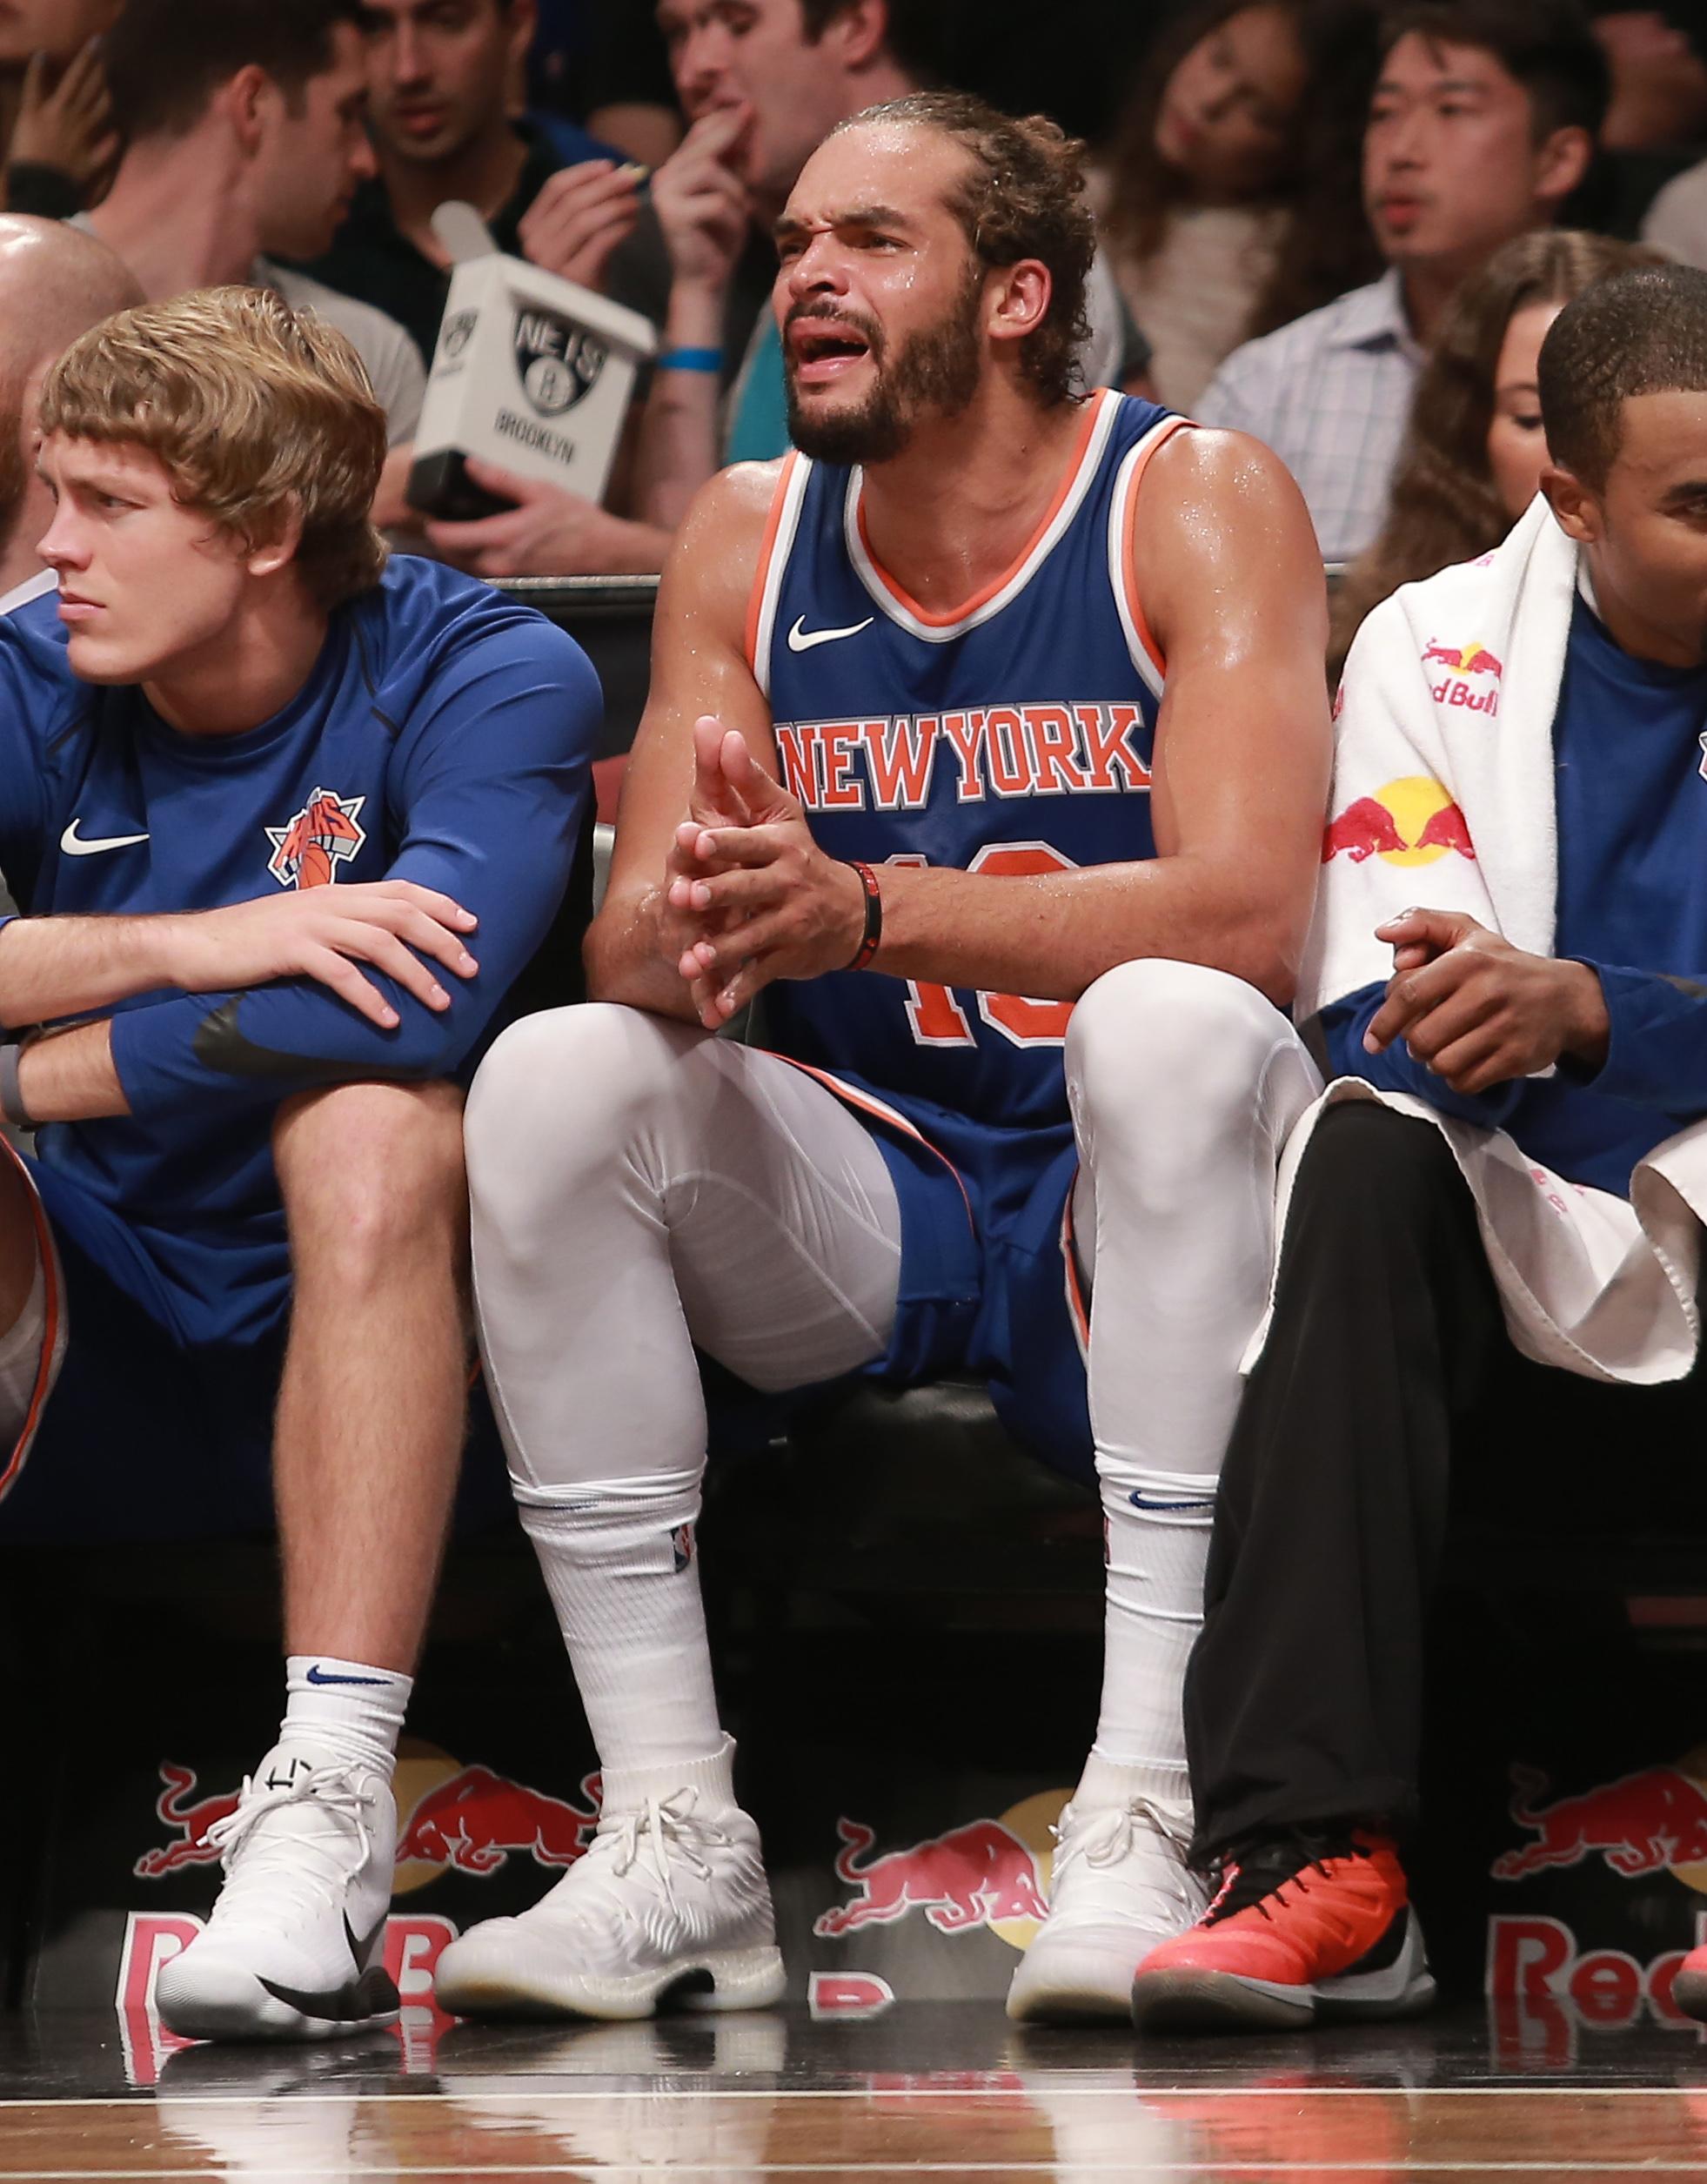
x: 1630, y: 763
x: 445, y: 736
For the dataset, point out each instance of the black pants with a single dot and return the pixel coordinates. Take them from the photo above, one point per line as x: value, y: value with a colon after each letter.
x: 1387, y: 1359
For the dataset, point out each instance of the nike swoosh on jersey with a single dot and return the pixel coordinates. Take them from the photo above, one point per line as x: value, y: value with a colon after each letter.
x: 74, y: 846
x: 801, y: 640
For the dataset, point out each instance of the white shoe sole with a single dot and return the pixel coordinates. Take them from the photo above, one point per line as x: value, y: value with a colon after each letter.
x: 225, y: 2002
x: 720, y: 1979
x: 1061, y: 1985
x: 1189, y: 1999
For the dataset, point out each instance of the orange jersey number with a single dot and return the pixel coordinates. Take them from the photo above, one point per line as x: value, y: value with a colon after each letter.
x: 937, y: 1019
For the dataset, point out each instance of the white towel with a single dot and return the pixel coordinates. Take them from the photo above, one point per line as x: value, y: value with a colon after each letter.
x: 1443, y: 799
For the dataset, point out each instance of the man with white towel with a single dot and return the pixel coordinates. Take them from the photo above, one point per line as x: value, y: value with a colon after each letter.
x: 1504, y: 1185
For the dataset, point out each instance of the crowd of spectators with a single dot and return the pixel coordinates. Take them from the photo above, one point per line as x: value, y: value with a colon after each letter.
x: 1338, y: 224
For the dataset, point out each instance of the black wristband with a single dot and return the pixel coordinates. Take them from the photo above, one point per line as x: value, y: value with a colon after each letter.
x: 11, y: 1100
x: 873, y: 935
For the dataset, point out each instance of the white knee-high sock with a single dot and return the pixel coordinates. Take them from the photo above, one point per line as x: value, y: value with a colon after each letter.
x: 1157, y: 1525
x: 620, y: 1562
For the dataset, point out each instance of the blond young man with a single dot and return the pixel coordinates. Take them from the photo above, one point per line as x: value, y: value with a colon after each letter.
x: 284, y: 823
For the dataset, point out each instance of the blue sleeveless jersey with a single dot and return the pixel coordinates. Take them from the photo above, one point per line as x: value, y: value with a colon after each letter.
x: 1014, y: 736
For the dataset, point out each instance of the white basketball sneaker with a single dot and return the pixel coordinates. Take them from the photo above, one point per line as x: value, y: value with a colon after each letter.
x: 292, y: 1950
x: 1119, y: 1884
x: 670, y: 1902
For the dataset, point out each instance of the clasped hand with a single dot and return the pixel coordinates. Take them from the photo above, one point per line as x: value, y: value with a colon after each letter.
x: 1478, y: 1012
x: 748, y: 896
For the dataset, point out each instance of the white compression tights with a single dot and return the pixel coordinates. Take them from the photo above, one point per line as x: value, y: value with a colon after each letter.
x: 637, y: 1188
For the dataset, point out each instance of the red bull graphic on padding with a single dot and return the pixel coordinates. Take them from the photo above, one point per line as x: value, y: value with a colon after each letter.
x: 979, y: 1875
x: 1411, y: 821
x: 462, y: 1819
x: 1472, y: 678
x: 310, y: 847
x: 1642, y: 1823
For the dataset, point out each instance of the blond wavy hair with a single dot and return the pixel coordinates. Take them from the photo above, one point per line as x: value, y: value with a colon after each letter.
x: 254, y: 411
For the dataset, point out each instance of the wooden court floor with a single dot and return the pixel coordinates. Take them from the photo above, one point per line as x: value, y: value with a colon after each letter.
x: 925, y: 2090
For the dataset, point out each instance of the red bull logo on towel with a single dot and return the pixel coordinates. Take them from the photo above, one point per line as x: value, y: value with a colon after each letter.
x: 1410, y: 821
x: 1472, y: 678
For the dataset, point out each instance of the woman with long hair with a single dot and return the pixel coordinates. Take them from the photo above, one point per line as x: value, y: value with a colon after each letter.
x: 1197, y: 186
x: 1474, y: 456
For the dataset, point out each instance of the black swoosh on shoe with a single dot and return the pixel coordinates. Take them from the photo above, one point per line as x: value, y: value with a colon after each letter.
x: 370, y: 1995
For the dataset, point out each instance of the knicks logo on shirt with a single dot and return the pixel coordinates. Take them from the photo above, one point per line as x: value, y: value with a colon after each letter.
x: 888, y: 764
x: 309, y: 847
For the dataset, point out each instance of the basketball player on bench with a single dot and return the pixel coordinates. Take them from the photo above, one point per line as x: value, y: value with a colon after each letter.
x: 995, y: 716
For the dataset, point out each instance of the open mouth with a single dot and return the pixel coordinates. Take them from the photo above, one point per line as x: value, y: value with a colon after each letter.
x: 825, y: 350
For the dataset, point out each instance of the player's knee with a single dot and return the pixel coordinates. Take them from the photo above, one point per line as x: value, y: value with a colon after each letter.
x: 1368, y: 1164
x: 373, y: 1168
x: 558, y: 1099
x: 1153, y: 1036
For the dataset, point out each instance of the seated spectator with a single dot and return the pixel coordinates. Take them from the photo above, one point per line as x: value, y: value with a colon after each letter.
x: 441, y: 108
x: 55, y: 285
x: 243, y: 136
x: 55, y: 123
x: 251, y: 1207
x: 761, y: 91
x: 1496, y: 1204
x: 1475, y: 453
x: 1483, y: 121
x: 1195, y: 193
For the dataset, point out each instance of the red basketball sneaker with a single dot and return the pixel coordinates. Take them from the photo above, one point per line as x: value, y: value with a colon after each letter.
x: 1689, y: 1989
x: 1311, y: 1922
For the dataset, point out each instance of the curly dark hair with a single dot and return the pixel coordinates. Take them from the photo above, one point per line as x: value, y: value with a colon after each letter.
x: 1444, y: 507
x: 1022, y: 196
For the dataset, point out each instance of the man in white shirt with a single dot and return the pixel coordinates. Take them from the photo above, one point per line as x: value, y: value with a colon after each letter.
x: 1483, y: 123
x: 1677, y: 219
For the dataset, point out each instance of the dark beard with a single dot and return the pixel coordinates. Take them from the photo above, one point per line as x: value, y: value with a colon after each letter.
x: 935, y: 373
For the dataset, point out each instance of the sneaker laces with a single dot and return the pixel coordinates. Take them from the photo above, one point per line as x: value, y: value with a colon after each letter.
x: 657, y: 1834
x: 1139, y: 1835
x: 1254, y: 1878
x: 317, y: 1863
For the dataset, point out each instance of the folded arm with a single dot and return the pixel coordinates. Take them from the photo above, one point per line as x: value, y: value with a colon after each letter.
x: 492, y: 789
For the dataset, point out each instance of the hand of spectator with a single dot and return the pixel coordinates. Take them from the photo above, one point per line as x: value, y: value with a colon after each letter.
x: 580, y: 217
x: 322, y: 933
x: 548, y: 533
x: 712, y: 801
x: 1659, y: 81
x: 70, y: 126
x: 787, y: 910
x: 1479, y: 1012
x: 701, y: 201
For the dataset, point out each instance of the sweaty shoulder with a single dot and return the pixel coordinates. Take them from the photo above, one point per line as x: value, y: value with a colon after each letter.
x: 1223, y: 541
x: 714, y: 560
x: 1217, y: 483
x: 426, y: 631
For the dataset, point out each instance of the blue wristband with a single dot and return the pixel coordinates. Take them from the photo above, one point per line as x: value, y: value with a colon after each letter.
x: 691, y: 360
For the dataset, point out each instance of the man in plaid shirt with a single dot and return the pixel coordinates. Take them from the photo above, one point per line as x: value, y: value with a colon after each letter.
x: 1483, y: 123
